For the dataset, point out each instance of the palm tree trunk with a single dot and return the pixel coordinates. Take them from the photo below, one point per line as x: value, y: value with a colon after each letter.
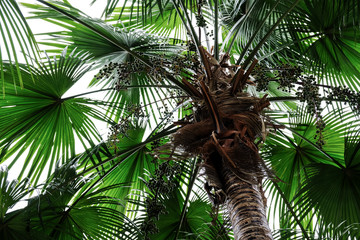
x: 246, y: 208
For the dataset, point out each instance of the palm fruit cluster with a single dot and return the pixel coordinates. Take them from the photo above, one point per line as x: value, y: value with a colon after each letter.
x: 163, y: 181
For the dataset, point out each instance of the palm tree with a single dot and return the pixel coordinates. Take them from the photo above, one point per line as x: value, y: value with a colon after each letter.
x: 211, y: 104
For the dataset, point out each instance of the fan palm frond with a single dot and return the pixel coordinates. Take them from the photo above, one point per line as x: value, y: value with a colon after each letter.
x: 65, y: 211
x: 285, y: 149
x: 39, y: 120
x: 325, y: 33
x: 327, y: 185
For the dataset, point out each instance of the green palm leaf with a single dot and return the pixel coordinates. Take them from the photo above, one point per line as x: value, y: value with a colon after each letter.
x: 329, y: 185
x: 136, y: 47
x: 161, y: 19
x: 290, y: 157
x: 193, y: 224
x: 101, y: 40
x: 327, y: 33
x: 38, y: 120
x: 15, y: 36
x: 184, y: 217
x: 65, y: 211
x: 13, y: 224
x: 128, y: 151
x: 106, y: 45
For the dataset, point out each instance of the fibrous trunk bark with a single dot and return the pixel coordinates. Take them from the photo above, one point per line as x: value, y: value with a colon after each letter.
x: 246, y: 208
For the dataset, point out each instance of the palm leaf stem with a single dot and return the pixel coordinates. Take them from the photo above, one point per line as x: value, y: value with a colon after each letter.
x: 162, y: 100
x: 289, y: 139
x: 240, y: 21
x: 288, y: 205
x: 199, y: 14
x: 236, y: 25
x: 309, y: 142
x: 263, y: 40
x: 250, y: 41
x: 299, y: 83
x: 316, y: 84
x: 86, y: 93
x: 124, y: 88
x: 278, y: 49
x: 125, y: 48
x: 190, y: 29
x: 284, y: 99
x: 216, y: 30
x: 194, y: 174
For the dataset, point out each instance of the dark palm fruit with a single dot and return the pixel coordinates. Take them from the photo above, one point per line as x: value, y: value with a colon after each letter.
x: 200, y: 21
x: 162, y: 182
x: 287, y: 76
x: 346, y: 95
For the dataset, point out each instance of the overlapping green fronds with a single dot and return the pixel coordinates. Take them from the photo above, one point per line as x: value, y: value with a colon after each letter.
x: 110, y: 163
x: 327, y: 186
x: 109, y: 45
x: 315, y: 193
x: 101, y: 40
x: 195, y: 221
x: 38, y: 123
x: 65, y: 211
x: 162, y: 20
x: 17, y: 43
x: 293, y: 157
x: 12, y: 223
x: 326, y: 34
x: 186, y: 214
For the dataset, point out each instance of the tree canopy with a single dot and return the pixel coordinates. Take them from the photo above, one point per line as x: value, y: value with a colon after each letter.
x: 149, y: 59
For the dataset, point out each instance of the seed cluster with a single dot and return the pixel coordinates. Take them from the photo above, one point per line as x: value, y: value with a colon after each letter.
x: 120, y: 72
x: 135, y: 110
x: 161, y: 183
x: 287, y: 76
x: 162, y: 180
x: 165, y: 114
x: 200, y: 21
x: 346, y: 95
x: 210, y: 34
x: 162, y: 65
x: 308, y: 90
x: 119, y: 131
x: 155, y: 144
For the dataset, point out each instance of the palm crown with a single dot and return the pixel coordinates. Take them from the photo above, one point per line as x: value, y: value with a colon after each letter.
x: 209, y: 103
